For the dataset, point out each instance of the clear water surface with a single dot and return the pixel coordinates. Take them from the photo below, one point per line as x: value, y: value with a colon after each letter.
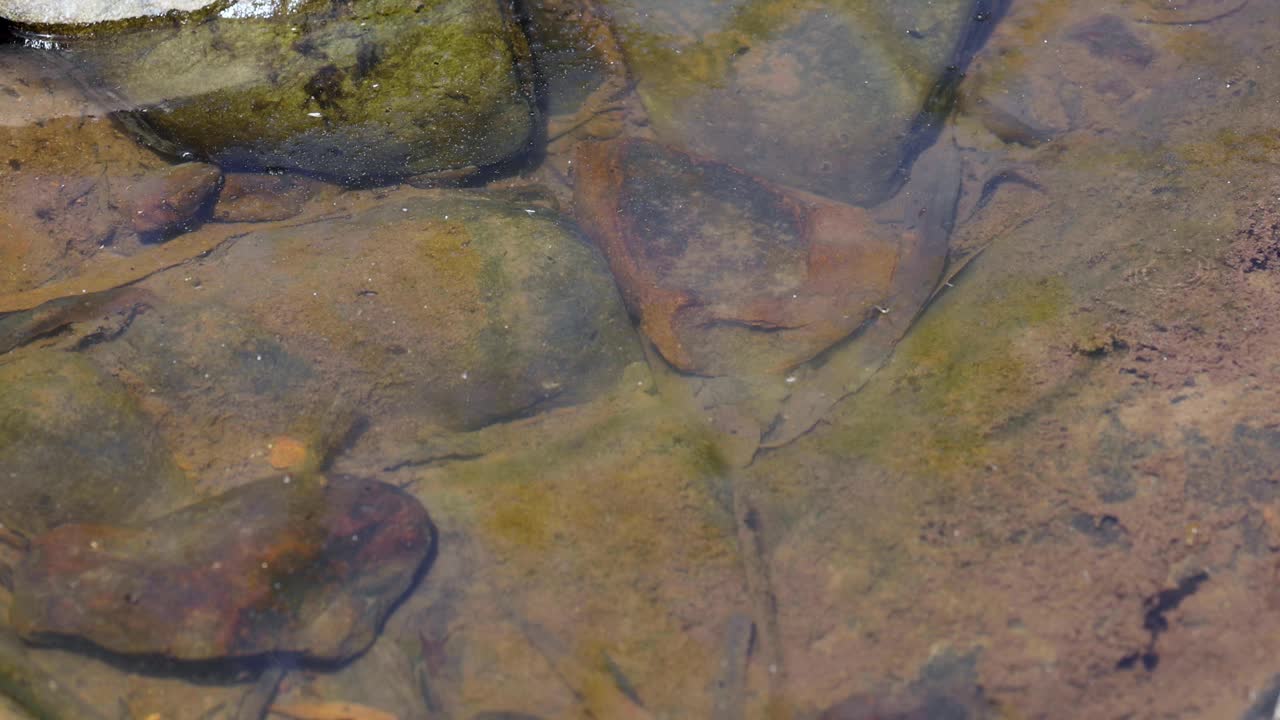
x: 839, y: 359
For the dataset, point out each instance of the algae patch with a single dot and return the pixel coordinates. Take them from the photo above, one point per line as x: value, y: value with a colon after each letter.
x: 968, y: 366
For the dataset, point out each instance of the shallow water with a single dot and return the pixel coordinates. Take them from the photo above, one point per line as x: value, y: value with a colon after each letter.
x: 751, y: 359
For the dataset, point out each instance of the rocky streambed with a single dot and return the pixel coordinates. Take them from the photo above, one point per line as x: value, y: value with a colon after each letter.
x: 751, y: 358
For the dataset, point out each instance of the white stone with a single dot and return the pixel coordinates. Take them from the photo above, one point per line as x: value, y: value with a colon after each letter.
x: 85, y: 12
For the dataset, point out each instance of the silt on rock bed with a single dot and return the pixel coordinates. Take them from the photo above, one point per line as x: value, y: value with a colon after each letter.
x: 756, y: 358
x: 254, y: 88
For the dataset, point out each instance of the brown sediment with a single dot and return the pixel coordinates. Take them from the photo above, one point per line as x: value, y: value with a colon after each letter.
x: 110, y: 274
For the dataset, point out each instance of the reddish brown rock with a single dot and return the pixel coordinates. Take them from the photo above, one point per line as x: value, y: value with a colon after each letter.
x: 729, y: 274
x: 273, y: 566
x: 169, y: 198
x: 258, y: 197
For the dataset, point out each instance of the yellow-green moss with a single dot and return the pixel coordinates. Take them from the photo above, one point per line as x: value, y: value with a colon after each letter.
x: 960, y: 373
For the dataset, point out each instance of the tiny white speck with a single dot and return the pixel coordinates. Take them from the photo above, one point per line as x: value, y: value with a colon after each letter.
x: 313, y: 114
x: 791, y: 379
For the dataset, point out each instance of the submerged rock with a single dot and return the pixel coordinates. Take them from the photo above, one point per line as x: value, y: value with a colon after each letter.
x: 310, y: 567
x: 357, y: 91
x: 446, y: 307
x: 172, y: 197
x: 750, y: 279
x: 774, y: 303
x: 258, y: 197
x: 74, y: 447
x: 832, y: 97
x: 461, y: 307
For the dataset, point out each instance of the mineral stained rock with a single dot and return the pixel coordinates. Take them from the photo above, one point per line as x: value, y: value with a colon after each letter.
x: 443, y: 304
x: 727, y: 273
x: 361, y: 92
x: 171, y: 198
x: 311, y: 567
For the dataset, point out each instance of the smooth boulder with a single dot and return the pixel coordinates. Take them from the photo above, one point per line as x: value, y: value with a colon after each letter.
x: 447, y: 307
x: 311, y: 567
x: 362, y: 92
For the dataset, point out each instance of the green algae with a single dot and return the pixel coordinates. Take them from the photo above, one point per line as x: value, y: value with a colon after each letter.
x: 551, y: 477
x: 613, y: 508
x: 961, y: 372
x: 1222, y: 152
x: 358, y: 92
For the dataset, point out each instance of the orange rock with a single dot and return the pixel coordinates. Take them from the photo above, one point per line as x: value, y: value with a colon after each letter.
x: 287, y: 453
x: 168, y: 199
x: 329, y: 711
x: 278, y: 565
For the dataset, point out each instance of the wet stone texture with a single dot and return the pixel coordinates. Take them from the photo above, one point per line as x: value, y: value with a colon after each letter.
x: 66, y: 173
x: 1067, y: 455
x: 303, y: 566
x: 259, y: 197
x: 448, y: 308
x: 729, y: 274
x: 819, y: 96
x: 413, y: 89
x: 1057, y: 492
x: 76, y: 447
x: 171, y: 198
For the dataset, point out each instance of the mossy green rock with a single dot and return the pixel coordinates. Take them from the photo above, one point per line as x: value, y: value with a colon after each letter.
x: 360, y: 91
x: 821, y: 95
x: 75, y: 447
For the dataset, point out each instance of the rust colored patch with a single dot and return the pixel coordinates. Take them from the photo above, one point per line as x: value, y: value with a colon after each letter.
x: 728, y: 273
x: 287, y: 453
x: 272, y: 566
